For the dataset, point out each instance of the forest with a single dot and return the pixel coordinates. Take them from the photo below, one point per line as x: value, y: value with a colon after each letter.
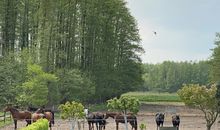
x: 53, y: 51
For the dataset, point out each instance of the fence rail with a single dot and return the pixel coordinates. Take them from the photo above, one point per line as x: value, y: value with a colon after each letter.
x: 4, y: 117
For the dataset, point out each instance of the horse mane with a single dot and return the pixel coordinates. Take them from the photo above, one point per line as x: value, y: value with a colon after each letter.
x: 14, y: 109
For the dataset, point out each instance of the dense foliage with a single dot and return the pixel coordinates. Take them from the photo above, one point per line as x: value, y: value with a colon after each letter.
x: 124, y: 104
x: 170, y: 76
x: 202, y: 98
x: 41, y: 124
x: 72, y: 110
x: 94, y: 41
x: 215, y: 60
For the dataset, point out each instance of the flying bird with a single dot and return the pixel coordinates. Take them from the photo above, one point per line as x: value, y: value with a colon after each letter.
x: 155, y: 33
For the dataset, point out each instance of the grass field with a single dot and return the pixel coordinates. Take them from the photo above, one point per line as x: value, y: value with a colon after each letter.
x: 154, y: 97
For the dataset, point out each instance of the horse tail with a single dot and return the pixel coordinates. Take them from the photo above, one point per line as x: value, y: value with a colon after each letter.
x: 52, y: 117
x: 135, y: 123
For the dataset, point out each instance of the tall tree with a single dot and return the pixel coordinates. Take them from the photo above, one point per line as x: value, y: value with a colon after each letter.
x: 215, y: 61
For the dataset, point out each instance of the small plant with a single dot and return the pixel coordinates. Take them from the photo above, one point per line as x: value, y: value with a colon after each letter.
x: 143, y: 126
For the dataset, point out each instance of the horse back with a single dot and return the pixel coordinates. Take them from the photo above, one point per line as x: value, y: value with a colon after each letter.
x: 22, y: 115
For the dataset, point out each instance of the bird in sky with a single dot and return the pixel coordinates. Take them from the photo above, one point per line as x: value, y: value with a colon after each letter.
x: 155, y: 33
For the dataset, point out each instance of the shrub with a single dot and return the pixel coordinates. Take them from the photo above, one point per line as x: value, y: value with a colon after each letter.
x: 41, y: 124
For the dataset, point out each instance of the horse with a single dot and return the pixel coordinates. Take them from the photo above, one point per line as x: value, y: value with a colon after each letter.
x: 176, y: 121
x: 40, y: 113
x: 34, y: 109
x: 97, y: 118
x: 19, y: 115
x: 119, y: 118
x: 159, y: 118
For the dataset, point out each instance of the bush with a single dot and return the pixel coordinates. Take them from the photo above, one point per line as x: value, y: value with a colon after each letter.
x: 41, y: 124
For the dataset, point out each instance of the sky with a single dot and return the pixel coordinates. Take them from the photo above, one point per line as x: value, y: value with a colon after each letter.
x: 185, y: 28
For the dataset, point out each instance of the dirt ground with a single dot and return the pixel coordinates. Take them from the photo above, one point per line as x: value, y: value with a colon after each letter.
x: 191, y: 119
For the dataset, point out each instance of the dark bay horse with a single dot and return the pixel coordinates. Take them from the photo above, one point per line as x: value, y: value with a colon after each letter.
x: 159, y: 118
x: 176, y: 121
x: 40, y: 113
x: 119, y: 118
x: 97, y: 118
x: 19, y: 115
x: 34, y: 109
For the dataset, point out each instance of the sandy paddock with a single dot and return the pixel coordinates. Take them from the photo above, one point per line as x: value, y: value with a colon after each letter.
x: 191, y: 119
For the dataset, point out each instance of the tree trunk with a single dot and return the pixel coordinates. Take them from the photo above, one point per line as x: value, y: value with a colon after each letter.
x: 208, y: 127
x: 126, y: 122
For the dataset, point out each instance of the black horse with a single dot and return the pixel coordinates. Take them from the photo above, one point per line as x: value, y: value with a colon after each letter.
x: 34, y: 109
x: 98, y: 119
x: 159, y: 118
x: 176, y: 121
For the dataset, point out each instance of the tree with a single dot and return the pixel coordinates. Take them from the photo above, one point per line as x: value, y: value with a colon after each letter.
x: 124, y: 104
x: 202, y: 98
x: 169, y: 76
x: 34, y: 91
x: 215, y: 61
x: 71, y: 83
x: 11, y: 76
x: 72, y: 111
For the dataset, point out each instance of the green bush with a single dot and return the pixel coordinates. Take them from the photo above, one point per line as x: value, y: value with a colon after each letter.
x: 41, y: 124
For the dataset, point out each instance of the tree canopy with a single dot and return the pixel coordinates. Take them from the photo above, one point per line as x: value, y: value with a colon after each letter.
x: 202, y: 98
x: 95, y: 41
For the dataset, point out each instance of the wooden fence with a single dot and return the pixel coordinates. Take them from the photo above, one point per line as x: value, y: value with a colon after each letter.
x: 4, y: 117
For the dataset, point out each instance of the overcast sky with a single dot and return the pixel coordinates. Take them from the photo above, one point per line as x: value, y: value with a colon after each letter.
x: 185, y: 28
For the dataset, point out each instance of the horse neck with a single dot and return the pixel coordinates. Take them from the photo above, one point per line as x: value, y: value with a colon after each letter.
x: 13, y: 111
x: 112, y: 115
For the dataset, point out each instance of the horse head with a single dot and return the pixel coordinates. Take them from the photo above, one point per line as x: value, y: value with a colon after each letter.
x: 7, y: 108
x: 159, y: 117
x: 40, y: 110
x: 10, y: 108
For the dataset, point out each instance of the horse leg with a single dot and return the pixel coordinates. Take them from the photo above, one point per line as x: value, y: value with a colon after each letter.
x: 50, y: 123
x: 28, y: 122
x: 15, y: 122
x: 116, y: 125
x: 97, y: 126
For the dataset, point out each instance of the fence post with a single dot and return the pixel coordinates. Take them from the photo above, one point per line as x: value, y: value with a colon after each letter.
x: 4, y: 116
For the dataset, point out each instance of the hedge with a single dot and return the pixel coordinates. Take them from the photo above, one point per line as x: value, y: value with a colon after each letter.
x: 41, y: 124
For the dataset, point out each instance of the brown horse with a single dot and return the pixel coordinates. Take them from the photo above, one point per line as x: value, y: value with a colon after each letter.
x: 40, y: 113
x: 119, y: 118
x: 19, y: 115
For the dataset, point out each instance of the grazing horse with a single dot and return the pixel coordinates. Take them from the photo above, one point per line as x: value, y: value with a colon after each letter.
x: 119, y: 118
x: 19, y: 115
x: 40, y: 113
x: 97, y: 118
x: 176, y: 121
x: 159, y: 117
x: 34, y: 109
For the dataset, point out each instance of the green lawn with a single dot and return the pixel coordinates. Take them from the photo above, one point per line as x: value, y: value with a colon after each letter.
x: 154, y: 97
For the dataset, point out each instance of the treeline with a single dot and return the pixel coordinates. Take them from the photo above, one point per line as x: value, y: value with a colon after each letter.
x: 170, y: 76
x: 92, y: 46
